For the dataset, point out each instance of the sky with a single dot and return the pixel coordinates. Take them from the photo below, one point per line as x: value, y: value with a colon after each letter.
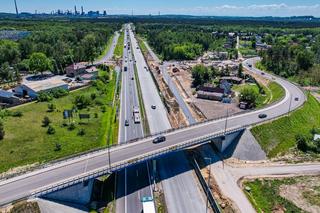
x: 187, y: 7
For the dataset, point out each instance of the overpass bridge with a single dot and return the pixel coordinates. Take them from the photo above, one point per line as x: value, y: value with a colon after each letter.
x: 56, y: 176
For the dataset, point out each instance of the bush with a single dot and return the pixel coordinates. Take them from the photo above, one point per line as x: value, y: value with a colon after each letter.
x: 57, y: 147
x: 44, y: 97
x: 302, y: 142
x: 16, y: 114
x: 103, y: 109
x: 46, y: 121
x: 2, y: 132
x: 81, y: 132
x: 51, y: 107
x: 72, y: 126
x: 248, y: 95
x: 95, y: 115
x: 51, y: 130
x: 82, y: 101
x: 58, y: 93
x: 93, y: 96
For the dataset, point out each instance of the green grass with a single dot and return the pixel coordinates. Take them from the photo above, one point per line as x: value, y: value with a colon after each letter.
x: 277, y: 92
x: 26, y: 141
x: 264, y: 195
x: 278, y: 137
x: 118, y: 52
x: 262, y: 100
x: 106, y: 48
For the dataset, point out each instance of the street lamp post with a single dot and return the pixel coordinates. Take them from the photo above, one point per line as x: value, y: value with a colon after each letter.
x: 207, y: 204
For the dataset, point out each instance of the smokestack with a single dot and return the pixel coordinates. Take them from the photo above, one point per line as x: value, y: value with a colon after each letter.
x: 82, y: 13
x: 75, y: 9
x: 15, y: 4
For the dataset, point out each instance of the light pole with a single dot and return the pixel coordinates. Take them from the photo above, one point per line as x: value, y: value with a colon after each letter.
x: 207, y: 204
x: 226, y: 124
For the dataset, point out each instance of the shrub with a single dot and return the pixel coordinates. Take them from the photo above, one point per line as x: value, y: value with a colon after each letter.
x: 16, y: 114
x: 81, y: 132
x: 93, y: 96
x: 302, y: 142
x: 44, y: 97
x: 57, y: 147
x: 72, y: 126
x: 51, y: 130
x: 51, y: 107
x: 103, y: 109
x: 46, y: 121
x: 95, y: 115
x: 2, y: 132
x: 82, y: 101
x: 58, y: 93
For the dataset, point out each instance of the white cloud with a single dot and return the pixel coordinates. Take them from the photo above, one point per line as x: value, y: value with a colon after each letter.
x: 281, y: 9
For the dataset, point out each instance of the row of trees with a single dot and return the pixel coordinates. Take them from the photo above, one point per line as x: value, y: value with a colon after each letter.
x: 51, y: 46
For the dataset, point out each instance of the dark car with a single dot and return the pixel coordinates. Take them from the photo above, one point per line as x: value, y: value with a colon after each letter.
x: 153, y: 107
x: 126, y: 123
x: 159, y: 139
x: 262, y: 116
x: 296, y: 99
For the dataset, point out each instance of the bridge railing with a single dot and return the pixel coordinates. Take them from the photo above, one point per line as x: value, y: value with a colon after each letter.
x: 115, y: 167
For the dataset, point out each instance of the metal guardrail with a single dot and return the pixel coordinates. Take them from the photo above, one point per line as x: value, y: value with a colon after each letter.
x: 130, y: 162
x: 206, y: 188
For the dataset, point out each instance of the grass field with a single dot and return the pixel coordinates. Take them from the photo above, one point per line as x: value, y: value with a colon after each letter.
x: 27, y: 142
x: 278, y: 137
x: 118, y: 52
x: 264, y: 195
x: 274, y: 92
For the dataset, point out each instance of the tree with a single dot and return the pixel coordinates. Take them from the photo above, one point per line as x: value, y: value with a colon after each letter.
x: 51, y: 107
x: 82, y: 101
x: 46, y: 121
x: 39, y: 63
x: 2, y: 132
x: 240, y: 70
x: 9, y: 52
x: 248, y: 95
x: 201, y: 74
x: 304, y: 60
x: 6, y: 73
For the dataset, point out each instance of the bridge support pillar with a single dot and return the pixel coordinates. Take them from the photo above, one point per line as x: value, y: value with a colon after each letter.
x: 222, y: 143
x: 78, y: 194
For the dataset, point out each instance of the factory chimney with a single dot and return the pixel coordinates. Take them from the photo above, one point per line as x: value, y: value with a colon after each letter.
x: 82, y: 13
x: 75, y: 10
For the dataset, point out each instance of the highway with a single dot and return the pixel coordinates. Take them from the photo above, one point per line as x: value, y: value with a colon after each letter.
x: 132, y: 183
x: 178, y: 181
x: 24, y: 185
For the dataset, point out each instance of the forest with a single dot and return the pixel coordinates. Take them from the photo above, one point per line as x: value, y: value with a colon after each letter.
x: 296, y: 57
x: 51, y: 45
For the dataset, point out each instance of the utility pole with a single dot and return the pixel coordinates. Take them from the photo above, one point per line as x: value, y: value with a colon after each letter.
x: 226, y: 124
x: 15, y: 4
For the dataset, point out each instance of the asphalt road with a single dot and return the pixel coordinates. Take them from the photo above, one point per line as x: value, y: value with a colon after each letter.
x: 109, y: 54
x: 178, y: 181
x: 132, y: 183
x: 24, y: 185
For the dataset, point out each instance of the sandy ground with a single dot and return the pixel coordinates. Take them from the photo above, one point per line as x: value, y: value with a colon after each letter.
x: 295, y: 193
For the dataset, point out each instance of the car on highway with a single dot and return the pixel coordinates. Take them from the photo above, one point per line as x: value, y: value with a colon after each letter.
x: 262, y: 73
x: 296, y: 99
x: 250, y: 65
x: 132, y: 78
x: 159, y: 139
x: 153, y: 106
x: 262, y: 116
x: 126, y: 123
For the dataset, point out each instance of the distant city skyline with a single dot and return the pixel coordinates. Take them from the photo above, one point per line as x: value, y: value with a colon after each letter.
x: 190, y: 7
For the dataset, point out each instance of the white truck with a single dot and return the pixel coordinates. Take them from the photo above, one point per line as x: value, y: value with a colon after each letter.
x: 148, y: 205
